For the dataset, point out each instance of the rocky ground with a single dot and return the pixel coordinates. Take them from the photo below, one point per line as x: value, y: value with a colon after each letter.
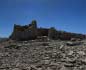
x: 38, y: 55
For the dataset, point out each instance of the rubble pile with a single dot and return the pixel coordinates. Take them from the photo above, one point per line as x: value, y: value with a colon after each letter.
x: 44, y: 55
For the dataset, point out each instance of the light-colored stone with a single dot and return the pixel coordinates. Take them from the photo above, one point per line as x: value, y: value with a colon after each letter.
x: 63, y: 68
x: 61, y: 46
x: 70, y: 53
x: 16, y: 69
x: 81, y: 53
x: 46, y: 61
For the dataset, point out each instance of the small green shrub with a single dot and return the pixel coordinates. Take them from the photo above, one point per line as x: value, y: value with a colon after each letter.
x: 12, y: 46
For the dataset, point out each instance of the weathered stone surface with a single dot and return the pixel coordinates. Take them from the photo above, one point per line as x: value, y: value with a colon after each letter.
x: 16, y: 69
x: 42, y: 31
x: 53, y: 33
x: 31, y: 31
x: 73, y: 43
x: 53, y: 55
x: 24, y: 32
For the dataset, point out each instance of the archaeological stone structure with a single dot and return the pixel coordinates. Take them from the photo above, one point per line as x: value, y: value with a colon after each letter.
x: 31, y: 32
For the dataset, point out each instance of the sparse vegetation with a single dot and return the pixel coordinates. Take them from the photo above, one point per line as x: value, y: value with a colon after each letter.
x: 13, y: 46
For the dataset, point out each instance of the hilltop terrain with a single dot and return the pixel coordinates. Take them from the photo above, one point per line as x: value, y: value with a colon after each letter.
x: 43, y: 55
x: 33, y: 48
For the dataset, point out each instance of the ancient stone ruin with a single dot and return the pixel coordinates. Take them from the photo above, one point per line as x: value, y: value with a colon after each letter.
x: 28, y: 32
x: 31, y: 31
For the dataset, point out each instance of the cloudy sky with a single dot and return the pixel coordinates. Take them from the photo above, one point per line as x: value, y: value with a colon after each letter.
x: 68, y: 15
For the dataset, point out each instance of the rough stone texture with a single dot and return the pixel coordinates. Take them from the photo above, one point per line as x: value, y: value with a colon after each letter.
x: 25, y: 32
x: 42, y: 31
x: 31, y: 31
x: 53, y: 34
x: 36, y: 55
